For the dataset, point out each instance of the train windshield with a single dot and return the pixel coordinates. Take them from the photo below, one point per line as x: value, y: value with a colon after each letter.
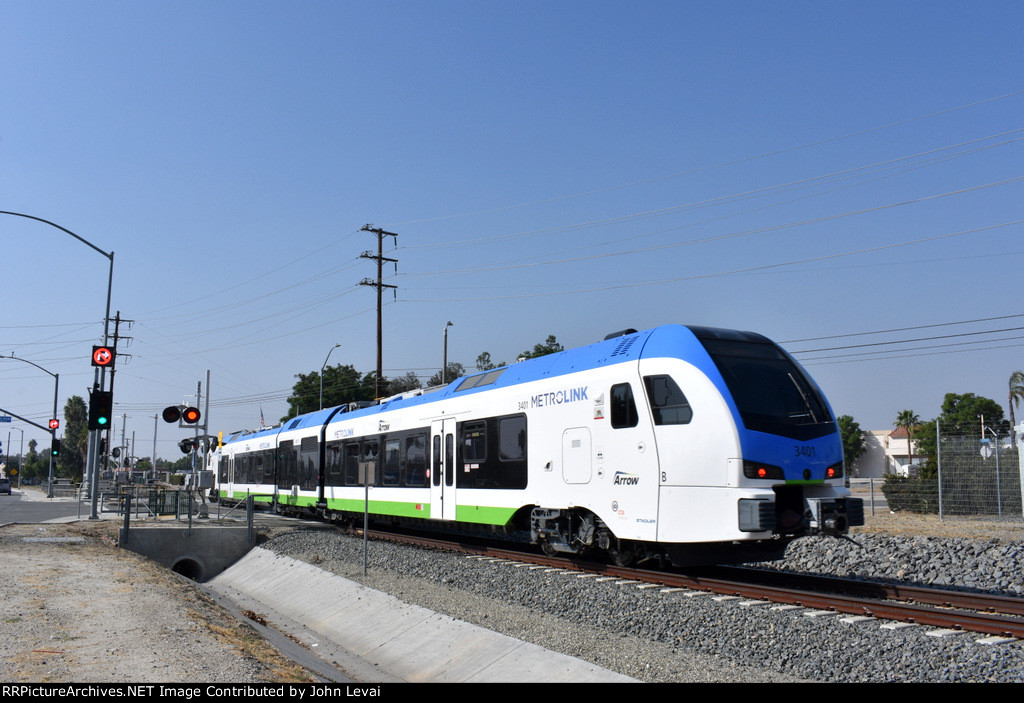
x: 772, y: 393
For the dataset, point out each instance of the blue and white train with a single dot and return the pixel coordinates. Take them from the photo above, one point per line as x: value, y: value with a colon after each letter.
x: 694, y: 444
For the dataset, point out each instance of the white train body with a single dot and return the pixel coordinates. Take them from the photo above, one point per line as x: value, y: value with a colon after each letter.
x: 649, y: 443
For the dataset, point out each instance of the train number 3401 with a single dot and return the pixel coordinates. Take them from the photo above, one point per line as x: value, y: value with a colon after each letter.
x: 804, y: 450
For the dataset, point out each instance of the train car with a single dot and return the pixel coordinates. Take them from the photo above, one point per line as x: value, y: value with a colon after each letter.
x: 691, y: 444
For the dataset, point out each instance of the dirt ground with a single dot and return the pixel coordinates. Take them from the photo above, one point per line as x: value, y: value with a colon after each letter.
x: 1010, y: 529
x: 75, y: 608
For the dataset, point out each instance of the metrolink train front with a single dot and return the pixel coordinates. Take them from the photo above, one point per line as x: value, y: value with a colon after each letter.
x: 788, y: 480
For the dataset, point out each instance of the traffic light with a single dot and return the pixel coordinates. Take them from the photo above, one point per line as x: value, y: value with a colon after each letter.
x: 101, y: 407
x: 55, y: 447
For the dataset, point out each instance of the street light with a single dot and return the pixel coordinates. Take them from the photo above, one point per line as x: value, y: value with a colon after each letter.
x: 53, y: 428
x: 444, y: 365
x: 99, y: 376
x: 322, y: 375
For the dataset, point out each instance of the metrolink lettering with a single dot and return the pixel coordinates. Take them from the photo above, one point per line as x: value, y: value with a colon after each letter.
x: 568, y: 395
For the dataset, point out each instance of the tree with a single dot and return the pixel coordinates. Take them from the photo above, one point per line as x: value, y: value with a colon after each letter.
x: 408, y: 382
x: 484, y: 363
x: 34, y: 463
x: 455, y: 370
x: 75, y: 444
x: 550, y: 346
x: 908, y: 419
x: 853, y: 439
x: 1015, y: 397
x: 342, y: 384
x: 961, y: 415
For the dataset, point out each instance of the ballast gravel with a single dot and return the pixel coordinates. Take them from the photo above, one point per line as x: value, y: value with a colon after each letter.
x: 658, y: 636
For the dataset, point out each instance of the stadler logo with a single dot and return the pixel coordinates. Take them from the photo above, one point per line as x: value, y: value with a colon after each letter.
x: 622, y: 479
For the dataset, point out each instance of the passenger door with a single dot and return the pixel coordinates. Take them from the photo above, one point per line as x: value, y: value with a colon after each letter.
x: 442, y: 469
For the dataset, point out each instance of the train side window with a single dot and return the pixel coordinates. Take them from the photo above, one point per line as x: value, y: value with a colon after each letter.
x: 368, y: 471
x: 436, y: 462
x: 416, y: 460
x: 449, y: 459
x: 392, y: 462
x: 352, y: 463
x: 512, y: 438
x: 624, y: 412
x: 668, y: 404
x: 334, y: 471
x: 474, y: 442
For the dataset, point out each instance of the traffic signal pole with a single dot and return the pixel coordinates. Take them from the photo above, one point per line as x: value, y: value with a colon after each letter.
x: 98, y: 377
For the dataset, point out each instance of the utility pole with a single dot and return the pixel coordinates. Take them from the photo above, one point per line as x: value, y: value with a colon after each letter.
x: 380, y: 286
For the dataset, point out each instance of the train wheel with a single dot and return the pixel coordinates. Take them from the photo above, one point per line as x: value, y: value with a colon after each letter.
x: 623, y: 553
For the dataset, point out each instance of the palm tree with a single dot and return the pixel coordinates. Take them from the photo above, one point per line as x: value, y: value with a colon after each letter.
x: 1016, y: 396
x: 908, y: 419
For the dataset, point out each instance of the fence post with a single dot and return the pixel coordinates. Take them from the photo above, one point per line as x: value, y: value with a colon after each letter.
x: 938, y: 460
x: 1019, y: 430
x: 127, y: 515
x: 248, y: 515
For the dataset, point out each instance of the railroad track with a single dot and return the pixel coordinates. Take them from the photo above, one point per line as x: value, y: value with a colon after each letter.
x: 994, y: 615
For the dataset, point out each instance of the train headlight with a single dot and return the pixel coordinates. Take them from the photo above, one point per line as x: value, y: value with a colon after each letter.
x: 757, y: 469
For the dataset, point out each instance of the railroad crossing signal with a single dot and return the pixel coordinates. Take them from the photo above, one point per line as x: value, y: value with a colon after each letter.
x: 101, y: 407
x: 103, y: 356
x: 182, y: 414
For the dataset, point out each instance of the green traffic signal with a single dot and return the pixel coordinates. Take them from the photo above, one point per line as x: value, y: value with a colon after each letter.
x: 101, y: 407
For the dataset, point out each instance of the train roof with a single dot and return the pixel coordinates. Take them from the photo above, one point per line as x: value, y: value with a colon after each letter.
x: 678, y: 341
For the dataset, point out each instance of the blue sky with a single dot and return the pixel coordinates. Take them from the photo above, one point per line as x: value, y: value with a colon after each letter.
x: 801, y: 169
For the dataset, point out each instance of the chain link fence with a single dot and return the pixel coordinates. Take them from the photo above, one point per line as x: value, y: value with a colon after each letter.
x: 967, y: 477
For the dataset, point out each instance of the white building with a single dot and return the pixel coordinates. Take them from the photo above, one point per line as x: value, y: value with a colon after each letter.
x: 885, y: 452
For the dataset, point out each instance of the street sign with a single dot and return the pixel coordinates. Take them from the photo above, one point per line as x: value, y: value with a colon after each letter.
x: 54, y: 424
x: 5, y: 418
x: 103, y: 356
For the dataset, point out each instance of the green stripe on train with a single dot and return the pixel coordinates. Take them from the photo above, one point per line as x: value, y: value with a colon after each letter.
x: 478, y: 514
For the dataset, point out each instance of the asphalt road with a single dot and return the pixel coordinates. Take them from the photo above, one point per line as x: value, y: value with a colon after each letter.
x: 25, y: 505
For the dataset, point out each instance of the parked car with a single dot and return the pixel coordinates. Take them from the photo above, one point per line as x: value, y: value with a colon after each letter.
x: 5, y: 486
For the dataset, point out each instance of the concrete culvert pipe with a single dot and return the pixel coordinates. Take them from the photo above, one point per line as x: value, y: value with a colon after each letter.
x: 189, y: 568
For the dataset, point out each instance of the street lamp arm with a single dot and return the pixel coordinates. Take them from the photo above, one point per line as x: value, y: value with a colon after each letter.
x: 18, y: 358
x: 62, y: 229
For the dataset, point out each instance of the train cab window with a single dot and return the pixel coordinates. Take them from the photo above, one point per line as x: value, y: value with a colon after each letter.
x: 624, y: 412
x: 668, y: 404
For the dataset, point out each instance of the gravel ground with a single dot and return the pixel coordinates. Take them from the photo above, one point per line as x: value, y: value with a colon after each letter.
x: 669, y: 637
